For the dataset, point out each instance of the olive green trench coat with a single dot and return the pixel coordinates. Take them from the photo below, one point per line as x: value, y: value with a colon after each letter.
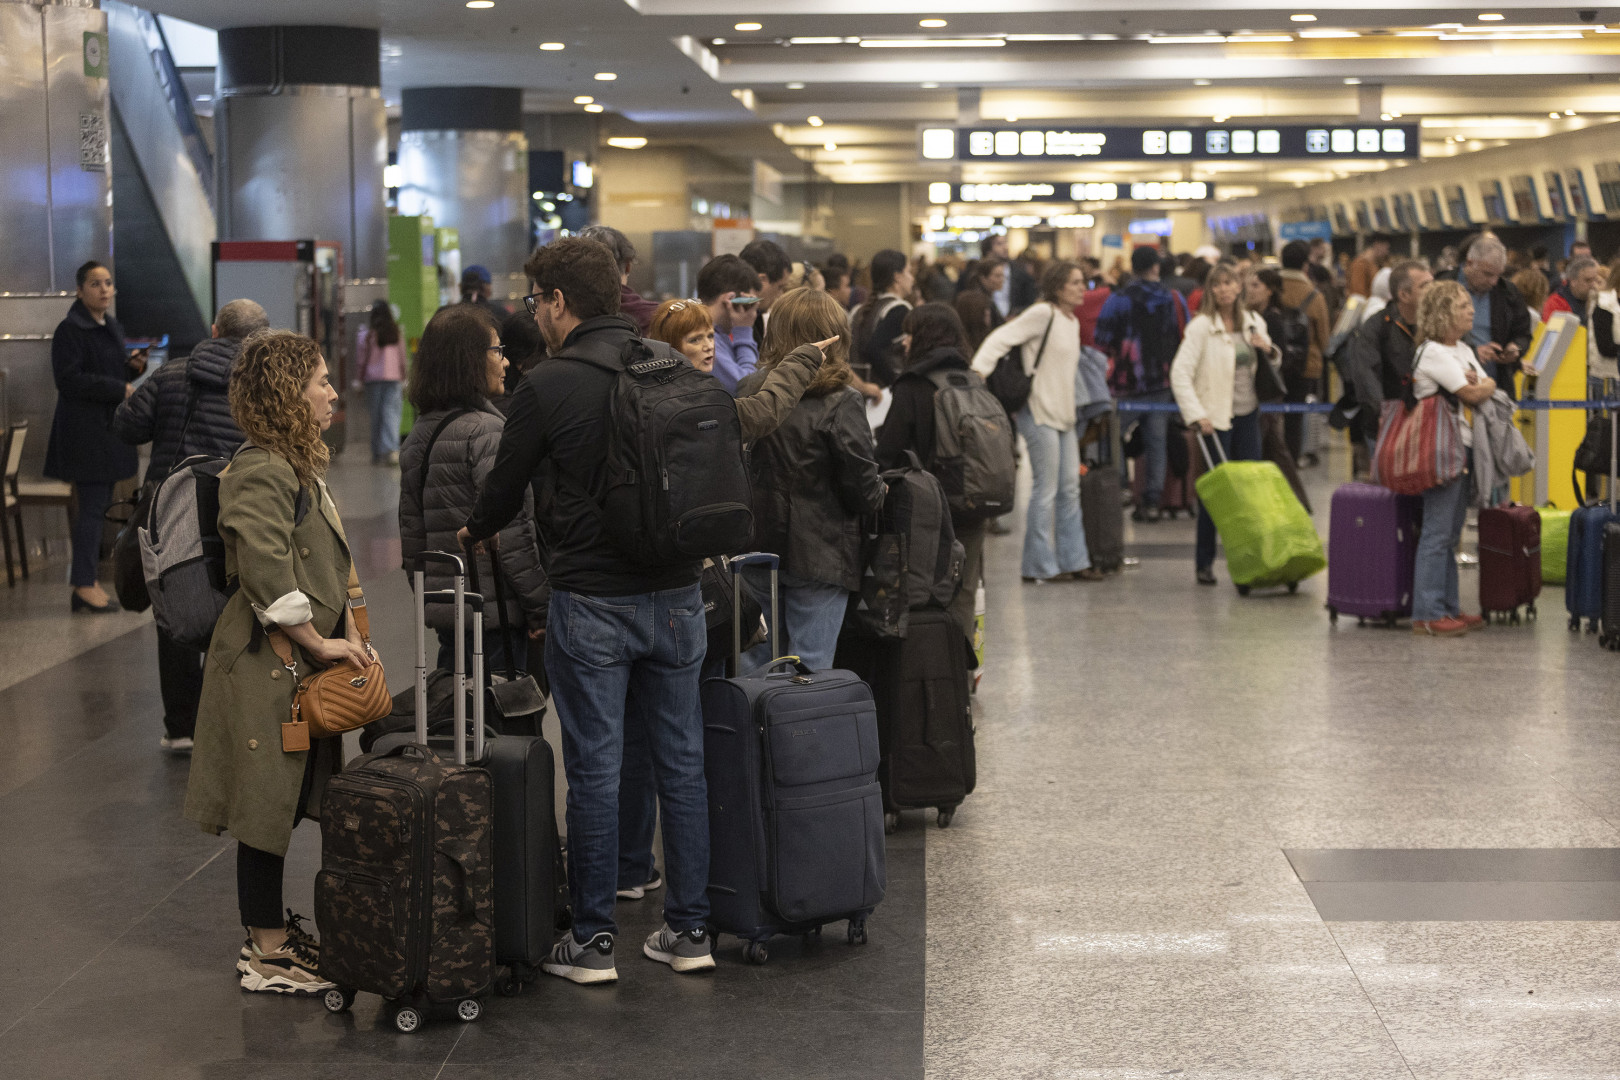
x: 241, y: 780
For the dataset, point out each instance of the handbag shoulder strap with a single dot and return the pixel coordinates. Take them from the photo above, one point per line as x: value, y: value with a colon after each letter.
x: 427, y: 458
x: 1040, y: 352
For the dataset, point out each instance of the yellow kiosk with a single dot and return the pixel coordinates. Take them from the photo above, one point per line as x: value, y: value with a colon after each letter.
x: 1558, y: 358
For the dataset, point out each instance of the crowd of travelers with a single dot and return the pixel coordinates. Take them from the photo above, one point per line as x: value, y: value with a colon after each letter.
x: 835, y: 371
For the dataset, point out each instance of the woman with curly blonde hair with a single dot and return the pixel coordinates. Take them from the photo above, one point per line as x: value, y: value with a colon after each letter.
x: 815, y: 477
x: 288, y: 562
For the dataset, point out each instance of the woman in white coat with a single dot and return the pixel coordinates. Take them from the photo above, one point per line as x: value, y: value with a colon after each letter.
x: 1213, y: 380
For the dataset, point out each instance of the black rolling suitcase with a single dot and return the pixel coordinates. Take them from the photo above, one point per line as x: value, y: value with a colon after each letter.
x: 795, y: 809
x: 405, y: 898
x: 529, y: 879
x: 922, y: 690
x: 1102, y: 512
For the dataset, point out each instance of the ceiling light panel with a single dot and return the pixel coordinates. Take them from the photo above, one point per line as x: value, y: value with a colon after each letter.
x: 748, y: 27
x: 552, y: 46
x: 605, y: 76
x: 933, y: 43
x: 932, y: 24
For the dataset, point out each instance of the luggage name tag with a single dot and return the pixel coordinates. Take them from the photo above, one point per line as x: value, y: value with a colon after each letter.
x: 294, y: 737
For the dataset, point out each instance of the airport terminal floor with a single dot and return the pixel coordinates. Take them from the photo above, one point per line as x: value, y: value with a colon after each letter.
x: 1213, y: 837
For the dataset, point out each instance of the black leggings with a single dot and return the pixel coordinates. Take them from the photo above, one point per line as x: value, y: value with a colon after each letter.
x: 258, y: 887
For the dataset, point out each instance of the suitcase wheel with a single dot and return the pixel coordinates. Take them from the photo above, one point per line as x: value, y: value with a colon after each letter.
x: 407, y: 1019
x: 755, y: 952
x: 891, y: 822
x: 469, y: 1009
x: 338, y: 999
x: 944, y: 816
x: 812, y: 935
x: 1243, y: 590
x: 1530, y: 612
x: 1293, y: 587
x: 857, y: 932
x: 510, y: 984
x: 1333, y: 616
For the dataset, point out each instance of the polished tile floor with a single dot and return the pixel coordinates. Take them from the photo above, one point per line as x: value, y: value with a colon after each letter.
x: 1116, y: 901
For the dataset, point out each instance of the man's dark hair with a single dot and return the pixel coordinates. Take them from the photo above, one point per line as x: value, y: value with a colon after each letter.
x: 723, y: 274
x: 833, y: 276
x: 1144, y: 259
x: 1539, y: 252
x: 934, y: 326
x: 1399, y: 275
x: 1168, y: 266
x: 1196, y: 269
x: 988, y: 242
x: 83, y: 272
x: 839, y: 260
x: 1377, y: 238
x: 886, y: 266
x: 451, y: 366
x: 582, y: 270
x: 980, y: 271
x: 520, y: 339
x: 1295, y: 254
x: 624, y: 252
x: 1321, y: 275
x: 768, y: 258
x: 1271, y: 280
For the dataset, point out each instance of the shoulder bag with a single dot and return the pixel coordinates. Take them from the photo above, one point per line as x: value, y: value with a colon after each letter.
x: 1419, y: 447
x: 340, y: 698
x: 1009, y: 382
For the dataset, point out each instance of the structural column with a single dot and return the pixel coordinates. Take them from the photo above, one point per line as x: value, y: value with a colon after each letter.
x: 464, y: 161
x: 302, y: 139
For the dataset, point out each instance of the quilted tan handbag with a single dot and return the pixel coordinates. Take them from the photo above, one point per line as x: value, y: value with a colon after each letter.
x: 340, y: 698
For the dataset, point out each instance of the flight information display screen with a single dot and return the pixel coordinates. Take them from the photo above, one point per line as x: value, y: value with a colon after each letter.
x: 1205, y: 143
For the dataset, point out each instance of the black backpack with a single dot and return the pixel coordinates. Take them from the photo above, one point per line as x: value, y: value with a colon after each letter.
x: 677, y: 486
x: 1294, y: 341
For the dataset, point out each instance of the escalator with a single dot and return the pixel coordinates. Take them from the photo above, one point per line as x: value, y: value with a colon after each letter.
x: 163, y: 187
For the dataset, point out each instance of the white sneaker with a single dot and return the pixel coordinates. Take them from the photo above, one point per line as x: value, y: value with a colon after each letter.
x: 180, y: 744
x: 636, y: 892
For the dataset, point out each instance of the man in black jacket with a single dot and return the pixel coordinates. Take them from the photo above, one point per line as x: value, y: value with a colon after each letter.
x: 1502, y: 327
x: 616, y: 627
x: 183, y: 410
x: 1378, y: 361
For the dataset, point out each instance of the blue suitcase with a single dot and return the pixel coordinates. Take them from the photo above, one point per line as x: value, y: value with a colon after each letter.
x: 795, y: 808
x: 1583, y: 574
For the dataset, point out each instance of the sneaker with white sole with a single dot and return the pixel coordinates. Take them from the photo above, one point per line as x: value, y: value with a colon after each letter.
x: 688, y: 950
x: 178, y: 744
x: 290, y: 969
x: 295, y: 930
x: 636, y: 892
x: 591, y: 962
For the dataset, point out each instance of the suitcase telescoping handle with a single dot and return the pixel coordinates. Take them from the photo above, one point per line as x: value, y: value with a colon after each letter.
x: 460, y: 600
x: 1209, y: 461
x: 737, y: 564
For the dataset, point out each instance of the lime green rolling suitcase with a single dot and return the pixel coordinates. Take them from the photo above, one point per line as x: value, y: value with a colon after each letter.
x: 1268, y: 536
x: 1554, y: 544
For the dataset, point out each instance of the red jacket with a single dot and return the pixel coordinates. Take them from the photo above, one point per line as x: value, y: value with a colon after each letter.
x: 1088, y: 311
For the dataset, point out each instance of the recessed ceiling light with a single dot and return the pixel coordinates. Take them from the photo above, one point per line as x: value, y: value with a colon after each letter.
x: 930, y: 86
x: 1491, y: 16
x: 830, y: 146
x: 552, y: 46
x: 1555, y: 116
x: 1200, y: 82
x: 605, y: 76
x: 627, y: 142
x: 1011, y: 119
x: 1569, y: 112
x: 749, y: 27
x: 479, y: 4
x: 1302, y: 18
x: 1386, y: 117
x: 593, y: 108
x: 932, y: 24
x: 933, y: 43
x: 584, y: 99
x: 813, y: 121
x: 1352, y: 82
x: 718, y: 41
x: 1220, y: 119
x: 795, y: 86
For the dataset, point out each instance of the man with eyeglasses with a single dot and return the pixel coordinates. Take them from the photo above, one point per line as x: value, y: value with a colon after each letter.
x: 729, y: 288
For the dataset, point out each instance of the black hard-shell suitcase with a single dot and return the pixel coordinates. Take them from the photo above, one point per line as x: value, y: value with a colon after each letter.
x: 922, y: 688
x: 1102, y: 512
x: 405, y: 898
x: 530, y: 883
x: 1610, y: 634
x: 795, y: 809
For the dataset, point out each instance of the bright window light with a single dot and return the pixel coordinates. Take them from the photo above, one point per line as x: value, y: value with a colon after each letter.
x: 605, y: 76
x: 393, y: 176
x: 552, y: 46
x: 627, y: 142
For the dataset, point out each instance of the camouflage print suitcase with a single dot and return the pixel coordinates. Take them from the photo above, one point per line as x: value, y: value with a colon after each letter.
x: 405, y: 897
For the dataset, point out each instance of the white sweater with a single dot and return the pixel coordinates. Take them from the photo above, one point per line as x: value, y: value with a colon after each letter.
x: 1051, y: 397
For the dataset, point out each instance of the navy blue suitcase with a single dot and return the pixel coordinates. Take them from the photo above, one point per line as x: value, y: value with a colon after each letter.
x: 1584, y: 572
x: 795, y: 808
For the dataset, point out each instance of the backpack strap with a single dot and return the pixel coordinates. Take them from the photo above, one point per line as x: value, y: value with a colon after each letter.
x: 427, y: 458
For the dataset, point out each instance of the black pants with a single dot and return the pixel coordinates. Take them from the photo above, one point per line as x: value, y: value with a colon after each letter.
x: 259, y: 873
x: 1298, y: 388
x: 93, y: 497
x: 180, y: 679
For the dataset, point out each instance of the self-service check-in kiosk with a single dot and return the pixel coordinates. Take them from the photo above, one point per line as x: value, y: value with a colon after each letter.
x: 1558, y: 359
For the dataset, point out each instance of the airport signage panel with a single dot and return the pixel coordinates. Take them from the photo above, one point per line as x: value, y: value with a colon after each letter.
x: 1063, y: 191
x: 1222, y: 142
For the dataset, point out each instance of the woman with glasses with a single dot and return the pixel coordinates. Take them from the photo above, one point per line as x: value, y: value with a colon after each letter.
x: 460, y: 367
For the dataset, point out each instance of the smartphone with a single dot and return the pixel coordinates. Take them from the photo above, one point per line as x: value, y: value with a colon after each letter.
x: 743, y: 301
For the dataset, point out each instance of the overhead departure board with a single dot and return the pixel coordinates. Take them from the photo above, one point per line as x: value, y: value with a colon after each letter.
x: 1205, y: 143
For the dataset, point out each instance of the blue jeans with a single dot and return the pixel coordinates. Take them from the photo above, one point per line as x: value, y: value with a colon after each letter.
x: 1434, y: 586
x: 1155, y: 430
x: 384, y: 400
x: 93, y: 499
x: 603, y: 654
x: 1054, y: 534
x: 1241, y: 443
x: 812, y: 615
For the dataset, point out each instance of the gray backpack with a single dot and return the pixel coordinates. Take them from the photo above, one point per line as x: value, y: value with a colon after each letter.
x: 183, y: 554
x: 974, y: 456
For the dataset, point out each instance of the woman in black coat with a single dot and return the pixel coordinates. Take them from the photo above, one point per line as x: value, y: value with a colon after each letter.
x: 92, y: 373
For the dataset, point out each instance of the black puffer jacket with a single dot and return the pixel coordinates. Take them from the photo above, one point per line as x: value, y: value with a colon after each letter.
x: 156, y: 413
x: 814, y: 478
x: 430, y: 514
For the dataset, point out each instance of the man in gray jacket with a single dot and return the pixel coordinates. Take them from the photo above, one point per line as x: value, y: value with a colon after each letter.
x: 183, y: 409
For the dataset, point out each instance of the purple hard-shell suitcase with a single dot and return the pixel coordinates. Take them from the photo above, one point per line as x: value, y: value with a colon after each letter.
x: 1372, y: 553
